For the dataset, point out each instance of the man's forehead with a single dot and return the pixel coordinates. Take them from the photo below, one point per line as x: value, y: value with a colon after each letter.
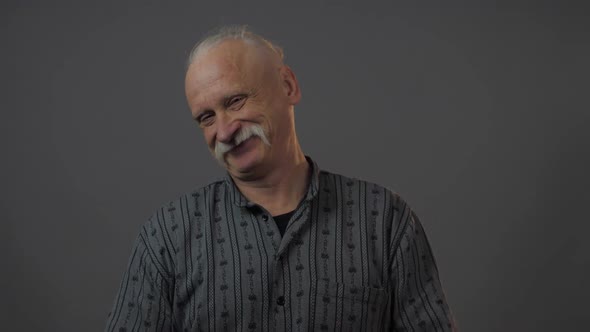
x: 233, y: 62
x: 231, y: 58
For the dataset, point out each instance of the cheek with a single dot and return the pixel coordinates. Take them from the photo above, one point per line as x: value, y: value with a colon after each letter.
x: 209, y: 138
x: 260, y: 111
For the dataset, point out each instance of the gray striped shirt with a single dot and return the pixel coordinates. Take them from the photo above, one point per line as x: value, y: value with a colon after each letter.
x: 354, y: 257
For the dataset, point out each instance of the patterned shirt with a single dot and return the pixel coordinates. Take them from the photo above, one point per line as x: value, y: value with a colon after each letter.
x: 354, y: 257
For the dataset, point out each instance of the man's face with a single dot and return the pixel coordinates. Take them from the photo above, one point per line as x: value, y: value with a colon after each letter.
x: 233, y: 89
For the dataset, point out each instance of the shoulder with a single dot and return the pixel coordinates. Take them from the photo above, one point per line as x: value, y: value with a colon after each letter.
x: 389, y: 197
x: 173, y: 208
x: 166, y: 218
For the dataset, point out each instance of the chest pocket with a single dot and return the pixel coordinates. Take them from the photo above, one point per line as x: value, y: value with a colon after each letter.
x: 351, y: 307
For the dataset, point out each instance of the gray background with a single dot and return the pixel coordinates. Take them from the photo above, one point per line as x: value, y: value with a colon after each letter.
x: 485, y: 108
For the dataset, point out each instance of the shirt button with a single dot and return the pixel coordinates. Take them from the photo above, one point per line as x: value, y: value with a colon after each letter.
x: 265, y: 217
x: 281, y: 300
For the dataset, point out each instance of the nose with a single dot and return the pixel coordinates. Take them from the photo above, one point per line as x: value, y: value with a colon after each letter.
x: 227, y: 127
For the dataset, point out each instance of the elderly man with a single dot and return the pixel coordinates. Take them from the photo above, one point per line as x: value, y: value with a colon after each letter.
x: 278, y: 244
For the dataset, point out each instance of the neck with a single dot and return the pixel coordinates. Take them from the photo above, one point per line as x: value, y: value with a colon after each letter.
x: 282, y: 188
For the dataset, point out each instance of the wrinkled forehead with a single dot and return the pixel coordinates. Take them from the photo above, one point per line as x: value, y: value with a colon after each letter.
x: 231, y: 61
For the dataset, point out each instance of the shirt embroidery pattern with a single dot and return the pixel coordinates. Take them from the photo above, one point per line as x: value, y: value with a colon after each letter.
x: 354, y: 256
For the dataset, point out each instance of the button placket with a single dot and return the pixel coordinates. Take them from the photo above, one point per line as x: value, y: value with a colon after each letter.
x: 278, y: 287
x: 271, y: 229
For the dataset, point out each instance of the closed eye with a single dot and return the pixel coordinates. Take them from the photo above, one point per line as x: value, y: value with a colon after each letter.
x: 236, y: 102
x: 205, y: 119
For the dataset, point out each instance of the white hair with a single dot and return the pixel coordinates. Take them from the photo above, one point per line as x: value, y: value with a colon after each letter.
x: 235, y: 32
x: 243, y: 134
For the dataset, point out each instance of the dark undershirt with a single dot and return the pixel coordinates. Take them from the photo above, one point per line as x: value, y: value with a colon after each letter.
x: 282, y: 221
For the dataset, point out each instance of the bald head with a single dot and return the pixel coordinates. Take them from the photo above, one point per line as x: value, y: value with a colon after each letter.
x: 227, y: 33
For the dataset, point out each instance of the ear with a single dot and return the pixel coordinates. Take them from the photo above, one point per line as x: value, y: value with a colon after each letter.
x: 290, y: 85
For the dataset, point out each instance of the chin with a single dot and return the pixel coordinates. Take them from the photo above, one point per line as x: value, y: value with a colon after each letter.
x: 245, y: 166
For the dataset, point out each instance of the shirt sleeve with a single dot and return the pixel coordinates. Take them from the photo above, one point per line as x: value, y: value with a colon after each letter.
x: 419, y: 300
x: 143, y: 302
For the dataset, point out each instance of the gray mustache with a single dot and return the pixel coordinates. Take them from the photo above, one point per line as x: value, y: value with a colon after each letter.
x: 243, y: 134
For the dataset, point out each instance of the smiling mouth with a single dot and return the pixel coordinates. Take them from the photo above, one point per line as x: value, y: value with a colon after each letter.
x: 239, y: 146
x: 242, y: 143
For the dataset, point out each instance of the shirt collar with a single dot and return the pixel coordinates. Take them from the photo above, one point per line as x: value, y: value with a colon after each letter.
x: 238, y: 199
